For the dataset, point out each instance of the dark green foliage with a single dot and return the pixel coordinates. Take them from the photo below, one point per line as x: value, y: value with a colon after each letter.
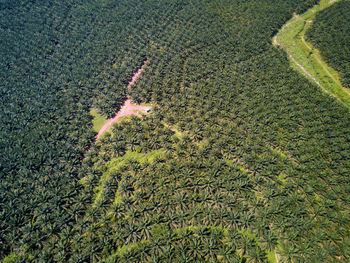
x: 330, y: 33
x: 262, y: 159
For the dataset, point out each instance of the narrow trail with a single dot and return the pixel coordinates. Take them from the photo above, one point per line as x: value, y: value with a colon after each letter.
x: 305, y: 71
x: 137, y: 74
x: 305, y: 57
x: 128, y: 108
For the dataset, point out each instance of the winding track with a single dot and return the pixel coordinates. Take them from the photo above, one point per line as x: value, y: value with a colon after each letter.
x: 306, y: 58
x: 128, y: 108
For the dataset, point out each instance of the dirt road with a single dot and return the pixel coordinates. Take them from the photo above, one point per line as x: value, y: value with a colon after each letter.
x: 128, y: 108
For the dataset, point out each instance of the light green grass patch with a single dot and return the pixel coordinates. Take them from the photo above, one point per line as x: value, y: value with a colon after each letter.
x: 234, y: 164
x: 115, y: 163
x: 98, y: 188
x: 278, y: 152
x: 121, y: 250
x: 282, y: 178
x: 271, y: 257
x: 173, y: 128
x: 82, y: 180
x: 9, y: 258
x: 98, y: 120
x: 150, y: 105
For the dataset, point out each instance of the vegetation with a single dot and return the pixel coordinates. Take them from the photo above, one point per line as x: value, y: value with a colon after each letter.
x: 330, y: 34
x: 307, y: 59
x: 98, y: 120
x: 242, y: 159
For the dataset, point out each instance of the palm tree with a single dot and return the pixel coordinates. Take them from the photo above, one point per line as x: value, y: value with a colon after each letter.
x: 195, y: 250
x: 145, y: 228
x: 128, y: 256
x: 210, y: 247
x: 132, y: 233
x: 289, y: 252
x: 246, y: 219
x: 118, y: 149
x: 133, y: 143
x: 270, y: 240
x: 182, y: 252
x: 226, y: 253
x: 143, y: 251
x: 203, y: 232
x: 181, y: 200
x: 257, y: 254
x: 167, y: 253
x: 245, y: 244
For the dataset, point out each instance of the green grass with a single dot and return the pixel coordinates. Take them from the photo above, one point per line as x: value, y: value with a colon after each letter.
x: 173, y: 128
x: 303, y: 54
x: 271, y: 257
x: 9, y: 258
x: 98, y: 188
x: 121, y: 250
x: 150, y: 105
x: 140, y: 157
x: 231, y: 163
x: 278, y: 152
x: 98, y: 120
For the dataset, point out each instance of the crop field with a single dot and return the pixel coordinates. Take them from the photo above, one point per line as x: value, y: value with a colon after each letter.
x: 240, y: 159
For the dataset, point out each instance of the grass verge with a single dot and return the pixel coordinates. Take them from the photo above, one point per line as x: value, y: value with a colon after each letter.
x: 305, y: 58
x: 98, y: 120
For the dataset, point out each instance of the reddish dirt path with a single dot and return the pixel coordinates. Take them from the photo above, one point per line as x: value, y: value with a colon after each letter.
x: 128, y: 108
x: 137, y: 74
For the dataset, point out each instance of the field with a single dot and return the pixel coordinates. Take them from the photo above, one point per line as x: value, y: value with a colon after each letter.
x: 241, y: 158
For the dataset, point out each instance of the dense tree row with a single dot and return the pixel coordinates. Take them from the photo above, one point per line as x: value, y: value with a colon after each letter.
x: 240, y: 159
x: 330, y: 33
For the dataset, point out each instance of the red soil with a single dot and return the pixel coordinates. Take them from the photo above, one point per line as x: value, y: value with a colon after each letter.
x: 136, y: 74
x: 128, y: 108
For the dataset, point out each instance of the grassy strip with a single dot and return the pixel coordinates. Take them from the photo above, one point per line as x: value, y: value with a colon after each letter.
x: 9, y: 258
x: 305, y: 58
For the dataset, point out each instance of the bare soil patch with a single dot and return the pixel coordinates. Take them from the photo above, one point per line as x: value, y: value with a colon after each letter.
x: 128, y: 108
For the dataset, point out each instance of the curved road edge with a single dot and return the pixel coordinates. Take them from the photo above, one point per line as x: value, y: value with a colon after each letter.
x: 307, y: 59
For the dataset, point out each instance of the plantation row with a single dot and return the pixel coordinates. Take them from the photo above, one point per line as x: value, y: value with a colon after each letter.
x: 241, y: 158
x: 330, y: 34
